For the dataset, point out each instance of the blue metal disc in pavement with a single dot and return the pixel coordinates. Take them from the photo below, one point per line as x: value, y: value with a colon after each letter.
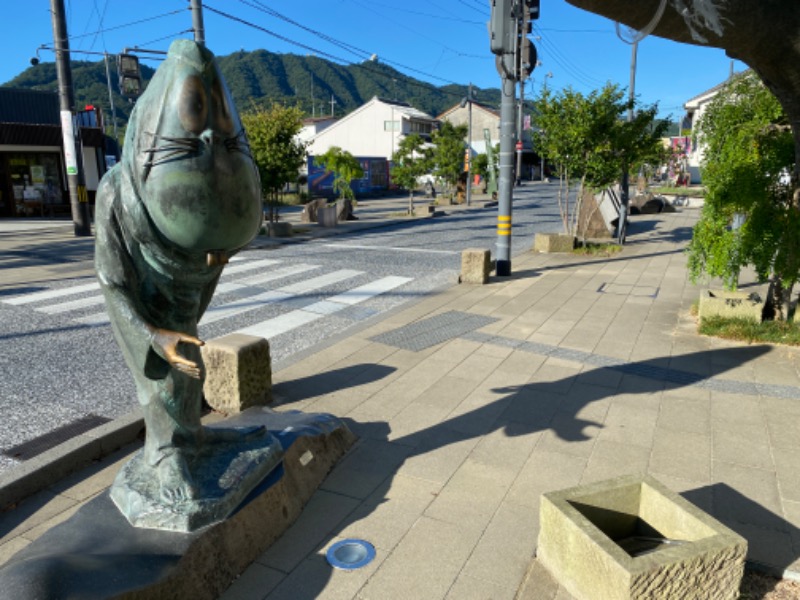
x: 350, y: 554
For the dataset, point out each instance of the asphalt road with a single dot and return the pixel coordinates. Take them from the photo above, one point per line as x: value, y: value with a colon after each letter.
x: 60, y: 364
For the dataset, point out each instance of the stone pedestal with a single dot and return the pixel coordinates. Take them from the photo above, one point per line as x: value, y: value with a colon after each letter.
x: 553, y: 242
x: 98, y: 554
x: 476, y: 264
x: 238, y: 373
x: 731, y: 305
x: 633, y: 538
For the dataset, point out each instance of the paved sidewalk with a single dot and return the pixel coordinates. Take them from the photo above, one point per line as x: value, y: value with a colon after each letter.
x: 471, y: 403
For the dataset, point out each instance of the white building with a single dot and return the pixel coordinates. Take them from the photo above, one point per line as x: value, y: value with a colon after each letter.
x: 374, y: 129
x: 485, y: 123
x: 313, y: 126
x: 695, y: 109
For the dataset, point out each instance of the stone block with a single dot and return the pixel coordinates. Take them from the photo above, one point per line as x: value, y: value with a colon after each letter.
x: 279, y: 229
x: 631, y: 538
x: 731, y: 304
x: 476, y: 264
x: 553, y: 242
x: 238, y: 372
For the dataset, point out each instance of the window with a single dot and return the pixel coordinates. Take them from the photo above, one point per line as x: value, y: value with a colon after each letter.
x: 421, y: 128
x: 391, y: 125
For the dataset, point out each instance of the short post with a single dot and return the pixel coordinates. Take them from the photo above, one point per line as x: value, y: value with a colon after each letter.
x: 238, y: 373
x: 476, y: 264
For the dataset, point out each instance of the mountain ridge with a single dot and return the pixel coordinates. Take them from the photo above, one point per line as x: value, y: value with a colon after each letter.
x: 262, y: 77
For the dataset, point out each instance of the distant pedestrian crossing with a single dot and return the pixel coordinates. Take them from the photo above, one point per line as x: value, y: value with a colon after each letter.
x: 246, y: 286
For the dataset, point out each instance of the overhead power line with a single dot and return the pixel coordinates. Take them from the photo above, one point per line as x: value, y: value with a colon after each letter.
x: 328, y: 55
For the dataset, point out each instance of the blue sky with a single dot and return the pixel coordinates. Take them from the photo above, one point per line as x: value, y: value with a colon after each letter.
x: 439, y: 41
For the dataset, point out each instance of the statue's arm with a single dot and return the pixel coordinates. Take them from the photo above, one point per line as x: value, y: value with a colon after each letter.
x: 150, y: 349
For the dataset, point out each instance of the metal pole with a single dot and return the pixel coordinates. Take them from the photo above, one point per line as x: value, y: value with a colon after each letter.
x: 506, y: 177
x: 519, y: 132
x: 78, y: 200
x: 469, y: 145
x: 197, y: 22
x: 624, y: 184
x: 113, y: 110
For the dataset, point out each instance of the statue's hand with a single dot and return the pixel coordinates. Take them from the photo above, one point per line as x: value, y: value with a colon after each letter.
x: 165, y: 343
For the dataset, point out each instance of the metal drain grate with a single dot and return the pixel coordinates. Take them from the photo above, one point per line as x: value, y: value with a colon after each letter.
x: 36, y: 446
x: 433, y: 330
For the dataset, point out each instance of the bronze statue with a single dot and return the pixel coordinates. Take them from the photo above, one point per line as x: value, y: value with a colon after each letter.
x: 184, y: 198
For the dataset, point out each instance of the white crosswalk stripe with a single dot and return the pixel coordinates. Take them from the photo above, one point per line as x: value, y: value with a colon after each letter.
x: 238, y: 277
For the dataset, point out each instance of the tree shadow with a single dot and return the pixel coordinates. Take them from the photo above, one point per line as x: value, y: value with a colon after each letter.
x: 364, y: 478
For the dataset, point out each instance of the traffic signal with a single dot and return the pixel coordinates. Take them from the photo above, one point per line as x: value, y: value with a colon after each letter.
x: 527, y: 51
x: 502, y: 28
x: 130, y: 78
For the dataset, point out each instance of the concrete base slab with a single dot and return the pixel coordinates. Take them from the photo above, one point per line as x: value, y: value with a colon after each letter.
x: 631, y: 537
x: 98, y: 554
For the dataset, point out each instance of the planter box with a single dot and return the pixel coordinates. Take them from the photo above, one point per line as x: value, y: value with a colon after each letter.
x: 631, y: 537
x: 553, y: 242
x: 731, y: 305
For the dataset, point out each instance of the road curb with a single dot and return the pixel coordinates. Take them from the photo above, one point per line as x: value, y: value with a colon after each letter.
x: 69, y: 457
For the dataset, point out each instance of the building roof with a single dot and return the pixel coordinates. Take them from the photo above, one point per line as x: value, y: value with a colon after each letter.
x: 32, y: 107
x: 475, y: 105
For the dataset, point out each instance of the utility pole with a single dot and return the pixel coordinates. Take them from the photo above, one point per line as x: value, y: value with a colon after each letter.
x: 333, y: 101
x: 516, y: 57
x: 78, y: 199
x: 197, y: 22
x: 468, y: 103
x: 519, y: 131
x: 625, y: 183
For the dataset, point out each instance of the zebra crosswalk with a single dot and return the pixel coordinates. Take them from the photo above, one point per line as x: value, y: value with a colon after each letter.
x: 246, y: 287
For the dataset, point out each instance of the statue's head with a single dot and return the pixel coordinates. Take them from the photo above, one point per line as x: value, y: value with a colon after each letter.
x: 188, y: 156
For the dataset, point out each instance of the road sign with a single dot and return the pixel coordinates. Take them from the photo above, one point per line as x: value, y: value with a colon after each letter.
x: 519, y: 145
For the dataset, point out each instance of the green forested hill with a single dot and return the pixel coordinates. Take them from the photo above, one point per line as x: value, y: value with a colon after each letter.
x: 264, y: 77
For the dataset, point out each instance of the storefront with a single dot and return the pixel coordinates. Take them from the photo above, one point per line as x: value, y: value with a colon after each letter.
x: 32, y: 180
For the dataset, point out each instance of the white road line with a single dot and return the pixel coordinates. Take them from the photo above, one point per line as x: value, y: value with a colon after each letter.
x: 288, y: 292
x: 249, y: 266
x: 296, y: 318
x: 50, y: 294
x: 315, y: 283
x: 54, y: 309
x: 94, y: 286
x: 272, y: 327
x: 278, y: 274
x: 359, y: 247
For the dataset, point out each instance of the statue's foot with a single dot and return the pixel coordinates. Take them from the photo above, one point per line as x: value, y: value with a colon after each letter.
x: 175, y: 481
x: 220, y: 435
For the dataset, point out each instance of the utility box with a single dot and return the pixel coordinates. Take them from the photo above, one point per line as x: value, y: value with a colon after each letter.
x: 633, y: 538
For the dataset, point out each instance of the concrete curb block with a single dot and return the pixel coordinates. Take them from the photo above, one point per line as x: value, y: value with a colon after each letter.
x: 65, y: 459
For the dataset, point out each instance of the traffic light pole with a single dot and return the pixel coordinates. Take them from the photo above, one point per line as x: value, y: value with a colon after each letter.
x: 507, y: 143
x: 73, y: 159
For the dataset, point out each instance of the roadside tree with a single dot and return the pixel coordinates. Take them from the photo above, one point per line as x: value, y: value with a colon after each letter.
x: 345, y: 168
x: 448, y: 153
x: 749, y: 155
x: 275, y: 148
x: 589, y: 142
x: 410, y: 161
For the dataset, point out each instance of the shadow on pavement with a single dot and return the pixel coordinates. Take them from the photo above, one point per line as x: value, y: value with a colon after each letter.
x: 366, y: 474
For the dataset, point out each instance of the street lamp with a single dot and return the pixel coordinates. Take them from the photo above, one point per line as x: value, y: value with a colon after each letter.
x: 467, y: 101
